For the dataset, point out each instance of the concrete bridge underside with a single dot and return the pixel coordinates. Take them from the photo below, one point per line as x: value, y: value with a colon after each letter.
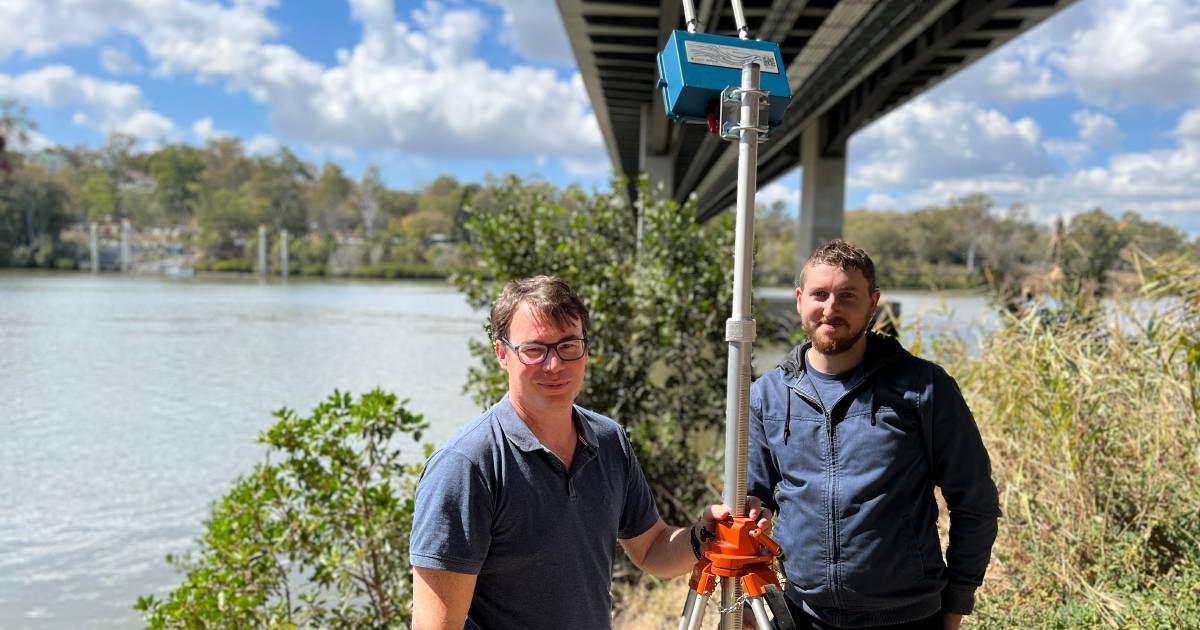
x: 848, y: 63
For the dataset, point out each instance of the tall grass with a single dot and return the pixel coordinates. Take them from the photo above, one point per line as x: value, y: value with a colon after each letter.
x: 1092, y: 418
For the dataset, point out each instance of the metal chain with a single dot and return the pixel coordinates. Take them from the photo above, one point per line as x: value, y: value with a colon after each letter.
x: 737, y: 604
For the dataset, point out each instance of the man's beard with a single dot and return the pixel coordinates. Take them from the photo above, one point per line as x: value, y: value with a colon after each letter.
x: 831, y: 344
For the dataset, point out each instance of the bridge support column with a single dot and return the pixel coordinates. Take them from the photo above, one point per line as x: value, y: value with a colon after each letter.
x: 657, y: 167
x: 822, y: 192
x: 653, y: 160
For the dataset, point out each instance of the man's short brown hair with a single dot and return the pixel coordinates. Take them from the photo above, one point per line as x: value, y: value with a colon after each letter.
x: 844, y: 256
x: 549, y: 296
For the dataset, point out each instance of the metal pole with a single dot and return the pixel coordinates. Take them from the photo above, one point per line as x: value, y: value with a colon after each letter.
x: 262, y: 250
x: 689, y: 16
x: 739, y: 18
x: 740, y: 328
x: 760, y: 613
x: 95, y: 246
x: 283, y: 253
x: 125, y: 245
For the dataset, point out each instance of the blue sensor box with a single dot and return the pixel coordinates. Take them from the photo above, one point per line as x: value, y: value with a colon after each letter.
x: 693, y: 69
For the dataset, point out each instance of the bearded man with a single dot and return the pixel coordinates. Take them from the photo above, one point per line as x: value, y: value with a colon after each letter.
x: 848, y: 437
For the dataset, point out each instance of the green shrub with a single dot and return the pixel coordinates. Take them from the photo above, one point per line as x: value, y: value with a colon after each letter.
x: 657, y: 354
x: 416, y: 271
x: 314, y: 269
x: 228, y: 265
x: 316, y: 535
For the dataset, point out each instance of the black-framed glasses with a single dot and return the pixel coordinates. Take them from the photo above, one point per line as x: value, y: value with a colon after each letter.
x: 535, y: 353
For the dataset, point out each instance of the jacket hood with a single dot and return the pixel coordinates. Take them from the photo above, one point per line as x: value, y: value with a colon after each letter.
x: 879, y: 347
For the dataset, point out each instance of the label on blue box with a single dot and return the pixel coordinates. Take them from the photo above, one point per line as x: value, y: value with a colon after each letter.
x: 728, y: 56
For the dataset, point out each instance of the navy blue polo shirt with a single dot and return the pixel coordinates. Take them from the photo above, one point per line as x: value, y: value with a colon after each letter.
x: 496, y: 503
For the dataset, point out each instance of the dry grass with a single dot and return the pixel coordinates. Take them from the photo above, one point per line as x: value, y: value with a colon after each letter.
x: 650, y: 604
x: 1092, y: 421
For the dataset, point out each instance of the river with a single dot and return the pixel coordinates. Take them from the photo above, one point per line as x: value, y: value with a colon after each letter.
x: 131, y: 402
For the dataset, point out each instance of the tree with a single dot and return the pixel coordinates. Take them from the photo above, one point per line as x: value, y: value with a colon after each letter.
x: 225, y: 165
x: 972, y: 215
x: 657, y: 351
x: 116, y: 159
x: 32, y: 213
x: 176, y: 170
x: 367, y: 199
x: 316, y: 535
x: 1092, y: 245
x: 1151, y: 237
x: 15, y: 128
x: 275, y: 195
x: 99, y: 197
x: 328, y: 200
x: 775, y: 233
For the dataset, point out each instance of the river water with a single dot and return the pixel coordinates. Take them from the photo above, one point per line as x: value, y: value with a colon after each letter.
x: 129, y: 403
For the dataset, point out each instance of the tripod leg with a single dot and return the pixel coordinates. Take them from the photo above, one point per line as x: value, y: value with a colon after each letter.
x: 760, y: 613
x: 697, y: 615
x: 686, y: 617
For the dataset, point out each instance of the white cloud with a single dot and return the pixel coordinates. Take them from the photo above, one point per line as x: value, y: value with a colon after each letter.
x: 777, y: 192
x: 1111, y: 53
x: 36, y: 27
x: 1137, y: 51
x: 588, y: 168
x: 1097, y: 129
x: 534, y: 28
x: 1189, y: 125
x: 33, y: 141
x: 929, y: 140
x: 415, y: 86
x: 417, y: 89
x: 147, y: 125
x: 117, y: 61
x: 1018, y: 74
x: 204, y: 130
x: 104, y: 105
x: 880, y: 201
x: 1072, y: 151
x: 262, y: 144
x: 1161, y: 183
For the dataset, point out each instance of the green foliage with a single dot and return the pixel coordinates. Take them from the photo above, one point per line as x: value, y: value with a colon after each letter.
x: 32, y: 214
x: 416, y: 271
x: 328, y: 204
x: 99, y: 197
x: 1091, y: 246
x: 1091, y: 419
x: 176, y: 171
x: 657, y: 356
x: 315, y: 536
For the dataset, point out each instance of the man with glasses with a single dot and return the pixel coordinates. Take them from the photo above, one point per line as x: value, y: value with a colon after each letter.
x: 516, y: 515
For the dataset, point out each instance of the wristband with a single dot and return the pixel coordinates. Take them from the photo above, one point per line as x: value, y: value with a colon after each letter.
x: 695, y: 542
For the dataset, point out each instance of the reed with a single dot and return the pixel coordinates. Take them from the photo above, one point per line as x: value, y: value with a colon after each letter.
x: 1091, y: 413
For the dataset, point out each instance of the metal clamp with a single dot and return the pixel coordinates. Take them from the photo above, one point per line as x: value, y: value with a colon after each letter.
x: 740, y: 330
x: 731, y: 112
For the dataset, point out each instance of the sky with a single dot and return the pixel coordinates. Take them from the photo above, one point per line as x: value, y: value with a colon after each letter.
x: 1099, y: 106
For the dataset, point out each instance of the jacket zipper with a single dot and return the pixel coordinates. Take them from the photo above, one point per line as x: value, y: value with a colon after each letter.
x: 835, y: 582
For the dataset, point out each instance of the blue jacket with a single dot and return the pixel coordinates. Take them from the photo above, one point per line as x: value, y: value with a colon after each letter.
x: 852, y: 487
